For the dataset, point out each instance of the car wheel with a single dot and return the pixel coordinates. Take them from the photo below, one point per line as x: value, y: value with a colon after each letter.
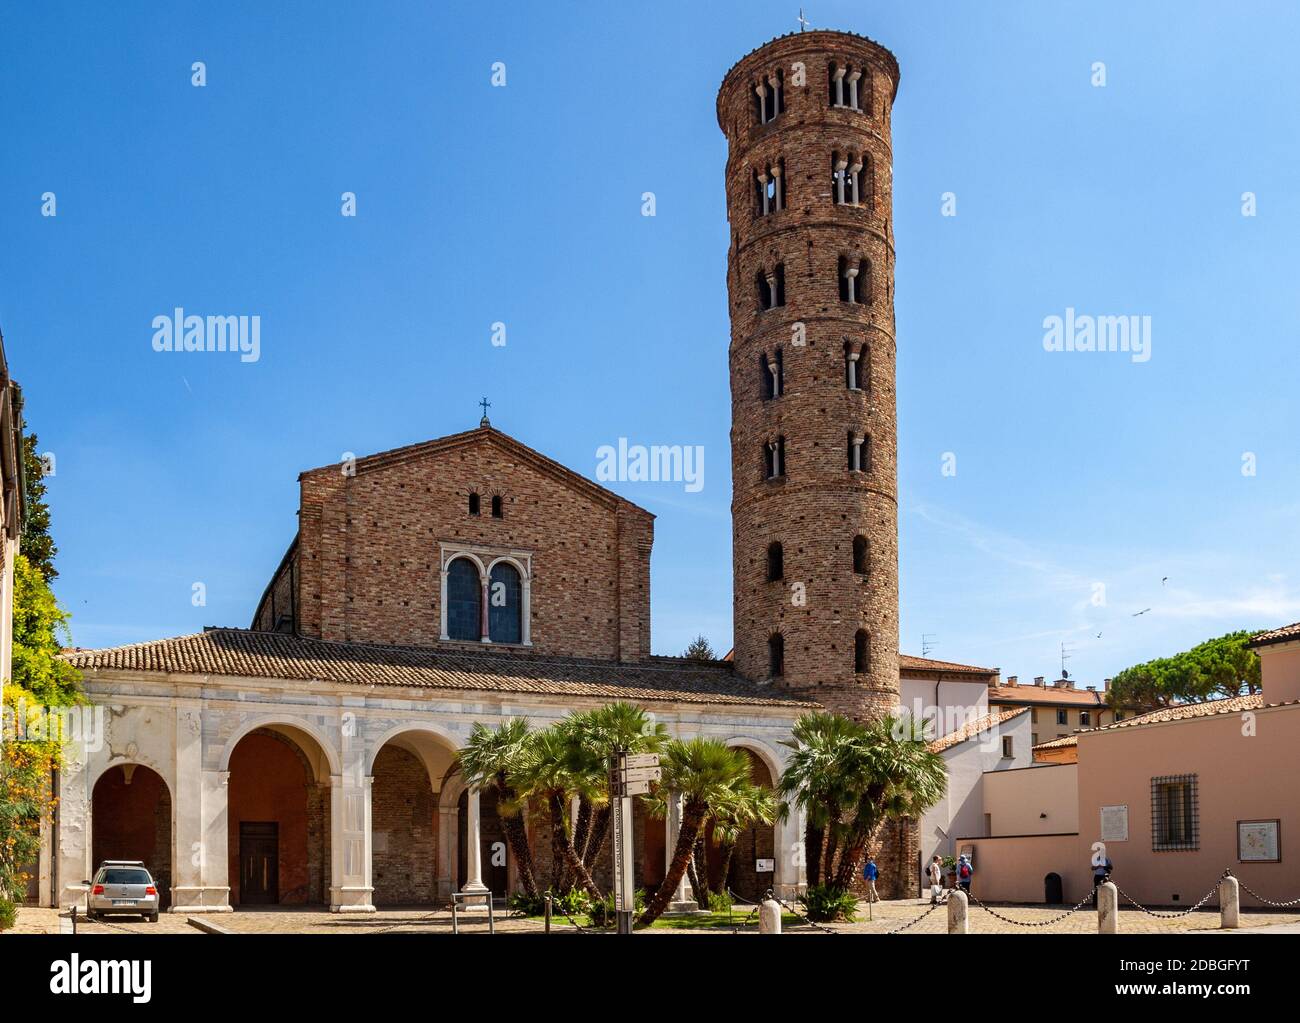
x: 90, y: 915
x: 153, y: 918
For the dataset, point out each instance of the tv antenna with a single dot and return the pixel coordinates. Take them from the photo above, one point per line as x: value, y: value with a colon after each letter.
x: 928, y: 642
x: 1066, y: 653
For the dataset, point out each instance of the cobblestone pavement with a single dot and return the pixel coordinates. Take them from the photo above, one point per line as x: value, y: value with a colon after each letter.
x: 887, y: 916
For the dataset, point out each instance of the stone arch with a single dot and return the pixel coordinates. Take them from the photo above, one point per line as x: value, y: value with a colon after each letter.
x: 132, y: 817
x: 760, y: 842
x: 332, y: 763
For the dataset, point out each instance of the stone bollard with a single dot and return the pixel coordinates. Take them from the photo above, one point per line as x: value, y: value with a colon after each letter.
x: 1107, y: 908
x: 958, y: 907
x: 769, y: 917
x: 1229, y: 903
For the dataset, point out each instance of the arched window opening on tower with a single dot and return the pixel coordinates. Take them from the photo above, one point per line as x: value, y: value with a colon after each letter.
x: 844, y: 82
x: 497, y: 512
x: 857, y: 366
x: 771, y: 287
x: 771, y: 373
x: 846, y: 179
x: 464, y: 600
x: 861, y: 651
x: 859, y: 452
x: 769, y: 96
x: 775, y: 562
x: 861, y: 556
x: 776, y: 655
x: 855, y: 280
x: 774, y: 457
x: 473, y: 504
x: 769, y: 181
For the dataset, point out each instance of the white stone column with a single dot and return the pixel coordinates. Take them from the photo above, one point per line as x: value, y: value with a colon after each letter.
x: 790, y: 869
x: 447, y: 858
x: 199, y: 808
x: 474, y: 852
x: 853, y: 90
x: 351, y: 890
x: 854, y: 172
x: 683, y: 900
x: 776, y: 186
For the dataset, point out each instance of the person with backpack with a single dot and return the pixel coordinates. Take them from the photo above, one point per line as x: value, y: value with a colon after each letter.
x: 1101, y: 868
x: 871, y: 872
x: 935, y: 872
x: 964, y: 873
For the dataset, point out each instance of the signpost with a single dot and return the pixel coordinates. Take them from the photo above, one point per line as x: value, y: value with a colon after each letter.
x: 630, y: 774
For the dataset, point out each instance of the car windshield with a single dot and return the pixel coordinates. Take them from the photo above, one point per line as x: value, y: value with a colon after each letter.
x: 124, y: 875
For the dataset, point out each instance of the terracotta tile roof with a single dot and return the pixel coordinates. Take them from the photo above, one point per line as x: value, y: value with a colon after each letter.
x: 906, y: 662
x: 1187, y: 711
x: 270, y: 655
x: 1061, y: 742
x: 974, y: 728
x: 1047, y: 695
x: 1282, y: 635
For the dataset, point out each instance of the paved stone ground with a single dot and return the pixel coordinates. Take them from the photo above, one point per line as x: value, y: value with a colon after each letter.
x: 887, y: 917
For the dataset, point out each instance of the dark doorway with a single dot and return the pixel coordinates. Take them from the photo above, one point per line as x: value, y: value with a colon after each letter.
x: 259, y: 863
x: 1053, y: 893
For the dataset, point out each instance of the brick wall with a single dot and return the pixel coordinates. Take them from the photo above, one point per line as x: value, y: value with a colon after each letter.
x: 368, y: 559
x: 404, y: 817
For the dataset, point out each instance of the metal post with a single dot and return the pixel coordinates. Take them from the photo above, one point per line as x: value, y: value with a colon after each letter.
x: 547, y: 902
x: 74, y: 917
x: 492, y: 920
x: 455, y: 921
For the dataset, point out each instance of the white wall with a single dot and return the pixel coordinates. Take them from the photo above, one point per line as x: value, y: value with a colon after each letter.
x: 957, y: 702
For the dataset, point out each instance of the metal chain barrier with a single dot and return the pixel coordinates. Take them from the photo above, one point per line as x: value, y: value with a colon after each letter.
x: 752, y: 913
x: 1267, y: 902
x: 917, y: 920
x: 1172, y: 916
x: 1030, y: 923
x: 811, y: 923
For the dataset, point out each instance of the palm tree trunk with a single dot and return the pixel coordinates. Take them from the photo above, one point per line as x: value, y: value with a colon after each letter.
x: 582, y: 829
x: 701, y: 857
x: 813, y: 840
x: 692, y: 821
x: 726, y: 851
x: 573, y: 865
x: 596, y: 843
x: 517, y: 836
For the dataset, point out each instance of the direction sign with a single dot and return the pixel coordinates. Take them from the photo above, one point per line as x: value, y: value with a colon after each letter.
x: 641, y: 760
x: 643, y: 774
x: 636, y: 788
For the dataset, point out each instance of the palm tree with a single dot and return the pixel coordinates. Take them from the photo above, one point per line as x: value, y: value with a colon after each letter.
x: 815, y: 781
x: 704, y: 772
x: 745, y: 806
x: 493, y: 758
x: 555, y: 768
x: 898, y: 776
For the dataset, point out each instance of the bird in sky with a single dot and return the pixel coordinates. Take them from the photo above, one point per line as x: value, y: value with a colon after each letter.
x: 1142, y: 612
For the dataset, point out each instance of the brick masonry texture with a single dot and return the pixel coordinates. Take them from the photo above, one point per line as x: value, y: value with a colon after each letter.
x: 819, y: 504
x: 366, y: 563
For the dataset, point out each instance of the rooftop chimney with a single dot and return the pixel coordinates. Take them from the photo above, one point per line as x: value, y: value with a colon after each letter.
x: 1013, y: 680
x: 1040, y: 680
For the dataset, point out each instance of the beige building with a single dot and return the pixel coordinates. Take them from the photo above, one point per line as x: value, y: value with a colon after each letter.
x: 1173, y: 798
x: 1057, y: 708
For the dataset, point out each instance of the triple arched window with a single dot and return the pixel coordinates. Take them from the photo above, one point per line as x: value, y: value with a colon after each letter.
x: 769, y: 96
x: 769, y: 185
x: 850, y: 179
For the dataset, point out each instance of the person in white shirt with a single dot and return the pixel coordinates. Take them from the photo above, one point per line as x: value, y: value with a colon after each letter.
x: 936, y: 879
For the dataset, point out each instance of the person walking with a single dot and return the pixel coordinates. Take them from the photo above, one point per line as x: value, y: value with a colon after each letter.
x: 935, y: 872
x: 1101, y: 868
x: 871, y: 872
x: 965, y: 871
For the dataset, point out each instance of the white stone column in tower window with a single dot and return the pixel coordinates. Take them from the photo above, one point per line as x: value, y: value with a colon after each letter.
x: 853, y: 90
x: 775, y: 84
x: 776, y: 378
x: 852, y: 274
x: 839, y: 180
x: 839, y: 86
x: 762, y: 181
x: 853, y: 176
x: 857, y: 452
x: 776, y: 186
x: 853, y: 371
x: 761, y: 91
x: 771, y: 290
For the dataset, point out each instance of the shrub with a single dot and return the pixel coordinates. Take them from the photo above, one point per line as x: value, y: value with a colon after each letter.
x: 8, y: 913
x: 826, y: 902
x: 719, y: 902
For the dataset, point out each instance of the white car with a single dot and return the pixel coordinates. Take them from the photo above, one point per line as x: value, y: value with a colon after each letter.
x: 122, y: 887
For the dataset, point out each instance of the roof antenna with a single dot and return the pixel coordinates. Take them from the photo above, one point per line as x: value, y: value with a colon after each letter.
x: 928, y: 642
x: 1065, y: 656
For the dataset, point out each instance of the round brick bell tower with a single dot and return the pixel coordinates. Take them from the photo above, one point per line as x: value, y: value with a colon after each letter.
x: 810, y: 278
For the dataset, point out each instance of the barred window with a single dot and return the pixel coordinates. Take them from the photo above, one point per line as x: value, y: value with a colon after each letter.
x: 1175, y: 818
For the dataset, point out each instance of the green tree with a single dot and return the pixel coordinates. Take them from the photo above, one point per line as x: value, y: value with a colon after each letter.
x: 704, y: 772
x: 556, y: 767
x: 1216, y: 669
x: 36, y: 542
x: 494, y: 758
x: 746, y: 806
x: 700, y: 650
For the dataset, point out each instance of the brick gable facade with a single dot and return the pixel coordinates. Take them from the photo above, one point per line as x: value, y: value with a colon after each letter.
x: 366, y: 564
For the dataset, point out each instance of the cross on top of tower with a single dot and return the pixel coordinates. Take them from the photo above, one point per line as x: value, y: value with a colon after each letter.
x: 486, y: 405
x: 803, y: 22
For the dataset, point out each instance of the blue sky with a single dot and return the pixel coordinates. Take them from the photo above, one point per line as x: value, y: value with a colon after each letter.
x: 523, y: 205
